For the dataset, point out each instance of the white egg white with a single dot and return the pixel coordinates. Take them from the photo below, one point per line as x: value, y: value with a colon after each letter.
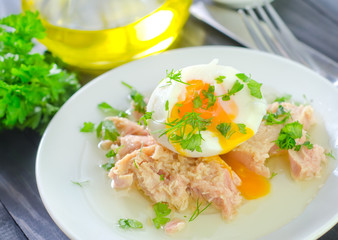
x: 250, y: 109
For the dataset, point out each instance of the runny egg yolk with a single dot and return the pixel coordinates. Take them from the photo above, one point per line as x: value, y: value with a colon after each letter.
x: 253, y: 186
x: 216, y: 112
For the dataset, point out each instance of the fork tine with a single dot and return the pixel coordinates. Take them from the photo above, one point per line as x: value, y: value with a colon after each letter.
x: 272, y: 44
x: 252, y: 31
x: 291, y: 41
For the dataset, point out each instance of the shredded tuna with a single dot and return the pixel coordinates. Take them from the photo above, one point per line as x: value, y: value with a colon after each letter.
x: 166, y: 176
x: 174, y: 226
x: 254, y: 152
x: 127, y: 127
x: 306, y: 163
x: 130, y: 143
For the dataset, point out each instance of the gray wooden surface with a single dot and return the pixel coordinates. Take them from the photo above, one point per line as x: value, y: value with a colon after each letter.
x: 22, y: 214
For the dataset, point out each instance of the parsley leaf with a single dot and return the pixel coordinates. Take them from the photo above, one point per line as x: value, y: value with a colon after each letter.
x: 274, y: 118
x: 241, y: 128
x: 166, y: 107
x: 187, y: 131
x: 127, y: 223
x: 162, y: 177
x: 284, y: 98
x: 107, y: 131
x: 32, y: 87
x: 220, y: 79
x: 161, y: 210
x: 146, y: 116
x: 174, y: 76
x: 197, y: 212
x: 197, y: 102
x: 108, y: 165
x: 138, y: 99
x: 329, y: 154
x: 288, y: 134
x: 254, y: 87
x: 106, y: 108
x: 235, y: 89
x: 210, y: 95
x: 273, y: 174
x: 225, y: 129
x: 88, y: 127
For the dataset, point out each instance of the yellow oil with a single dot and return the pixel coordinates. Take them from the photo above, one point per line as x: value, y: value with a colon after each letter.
x: 99, y: 50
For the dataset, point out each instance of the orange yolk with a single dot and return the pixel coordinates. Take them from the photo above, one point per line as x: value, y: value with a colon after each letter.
x: 253, y: 185
x: 216, y: 112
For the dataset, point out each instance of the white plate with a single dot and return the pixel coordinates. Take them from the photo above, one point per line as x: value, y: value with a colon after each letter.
x: 91, y: 212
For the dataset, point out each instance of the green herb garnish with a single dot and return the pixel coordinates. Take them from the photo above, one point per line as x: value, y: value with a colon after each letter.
x: 127, y: 223
x: 225, y: 129
x: 329, y: 154
x: 161, y: 210
x: 162, y: 177
x: 106, y: 108
x: 80, y: 184
x: 107, y: 131
x: 166, y: 107
x: 273, y: 174
x: 187, y: 131
x: 284, y: 98
x: 174, y: 76
x: 32, y: 86
x: 254, y: 87
x: 146, y: 116
x: 138, y: 99
x: 220, y: 79
x: 279, y: 117
x: 197, y: 102
x: 288, y: 135
x: 210, y: 95
x: 241, y: 128
x: 197, y: 212
x: 235, y: 89
x: 88, y: 127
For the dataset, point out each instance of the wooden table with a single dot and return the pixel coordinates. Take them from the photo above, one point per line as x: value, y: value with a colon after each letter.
x: 22, y: 213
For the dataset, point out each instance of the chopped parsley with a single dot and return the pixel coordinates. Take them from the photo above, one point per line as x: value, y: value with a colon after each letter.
x: 166, y: 107
x: 284, y: 98
x: 329, y: 154
x: 135, y: 164
x: 254, y: 87
x: 197, y: 212
x: 138, y: 99
x: 108, y: 165
x: 88, y: 127
x: 279, y: 117
x: 288, y: 135
x: 146, y: 116
x: 197, y: 102
x: 80, y: 184
x: 235, y: 89
x: 107, y: 131
x: 225, y: 129
x: 161, y: 210
x: 106, y: 108
x: 273, y: 174
x: 210, y: 95
x: 241, y: 128
x: 127, y: 223
x: 174, y: 76
x: 187, y: 131
x: 162, y: 177
x: 220, y: 79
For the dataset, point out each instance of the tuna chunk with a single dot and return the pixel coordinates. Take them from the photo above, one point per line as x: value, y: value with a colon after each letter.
x: 174, y: 226
x: 130, y: 143
x: 127, y: 127
x: 254, y: 152
x: 165, y: 176
x: 306, y: 163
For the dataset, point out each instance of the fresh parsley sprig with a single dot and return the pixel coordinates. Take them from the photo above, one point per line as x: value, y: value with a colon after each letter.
x: 128, y: 223
x: 210, y: 95
x: 146, y: 116
x: 225, y: 129
x: 234, y: 89
x: 254, y: 87
x: 279, y: 117
x: 138, y: 99
x: 106, y: 108
x: 161, y: 210
x: 174, y: 76
x: 32, y: 86
x: 187, y: 131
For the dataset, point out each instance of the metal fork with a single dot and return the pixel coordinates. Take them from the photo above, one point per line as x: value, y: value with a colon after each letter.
x: 271, y: 34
